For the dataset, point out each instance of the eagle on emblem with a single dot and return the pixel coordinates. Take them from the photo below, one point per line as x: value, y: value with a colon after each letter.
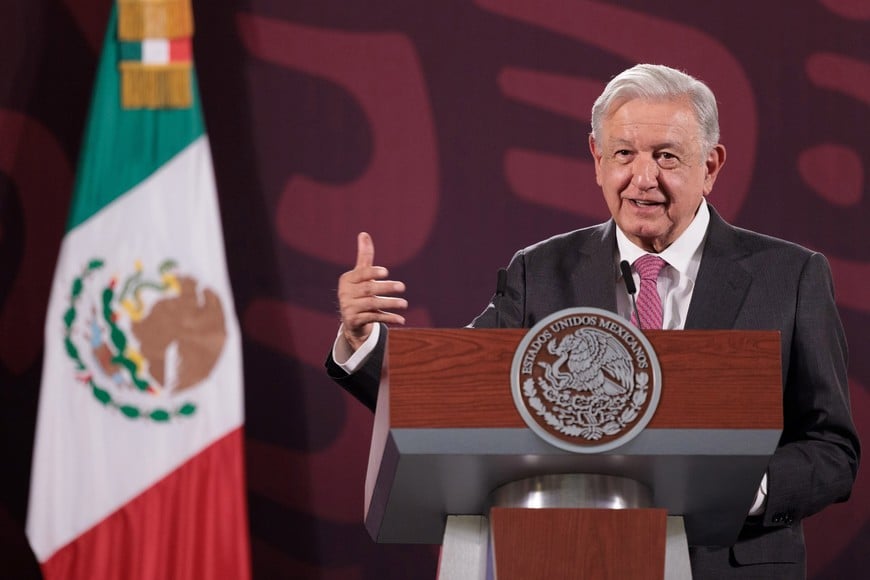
x: 590, y: 360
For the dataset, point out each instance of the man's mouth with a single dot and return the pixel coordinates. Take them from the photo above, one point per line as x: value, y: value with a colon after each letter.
x: 642, y: 203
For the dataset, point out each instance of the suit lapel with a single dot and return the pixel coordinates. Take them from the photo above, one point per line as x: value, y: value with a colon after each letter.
x: 722, y: 282
x: 594, y: 277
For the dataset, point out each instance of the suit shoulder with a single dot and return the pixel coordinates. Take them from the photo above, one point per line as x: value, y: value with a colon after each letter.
x: 575, y: 239
x: 727, y: 238
x: 757, y: 242
x: 773, y: 258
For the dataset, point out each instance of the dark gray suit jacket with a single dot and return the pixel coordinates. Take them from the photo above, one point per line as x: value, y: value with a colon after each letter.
x: 745, y: 281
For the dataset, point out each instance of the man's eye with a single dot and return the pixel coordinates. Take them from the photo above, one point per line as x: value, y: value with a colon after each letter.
x: 666, y: 159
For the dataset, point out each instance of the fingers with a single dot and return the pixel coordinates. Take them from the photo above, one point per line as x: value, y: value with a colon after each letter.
x: 365, y: 251
x: 365, y: 302
x: 360, y: 312
x: 375, y: 297
x: 356, y: 318
x: 368, y: 281
x: 364, y: 274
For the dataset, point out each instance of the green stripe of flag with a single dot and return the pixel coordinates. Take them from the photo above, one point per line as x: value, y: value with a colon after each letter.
x: 121, y: 148
x: 130, y: 51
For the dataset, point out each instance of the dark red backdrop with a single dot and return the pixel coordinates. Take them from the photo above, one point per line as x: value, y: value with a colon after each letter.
x: 453, y: 131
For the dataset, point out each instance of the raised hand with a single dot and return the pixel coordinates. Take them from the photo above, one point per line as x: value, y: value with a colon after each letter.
x: 364, y: 295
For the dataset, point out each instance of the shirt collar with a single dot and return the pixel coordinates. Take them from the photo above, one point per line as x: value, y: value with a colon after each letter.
x: 684, y: 254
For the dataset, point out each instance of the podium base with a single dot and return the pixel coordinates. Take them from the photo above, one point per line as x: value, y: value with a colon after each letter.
x: 560, y: 525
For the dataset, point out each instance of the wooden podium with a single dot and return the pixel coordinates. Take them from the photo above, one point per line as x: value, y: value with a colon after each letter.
x: 447, y: 435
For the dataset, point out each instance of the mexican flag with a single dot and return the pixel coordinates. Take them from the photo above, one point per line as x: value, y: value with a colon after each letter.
x: 137, y: 466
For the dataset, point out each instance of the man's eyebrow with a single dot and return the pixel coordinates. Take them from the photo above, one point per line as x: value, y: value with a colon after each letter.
x: 668, y: 145
x: 613, y: 144
x: 617, y: 142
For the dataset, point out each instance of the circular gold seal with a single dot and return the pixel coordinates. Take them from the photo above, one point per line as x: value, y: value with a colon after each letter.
x: 585, y: 380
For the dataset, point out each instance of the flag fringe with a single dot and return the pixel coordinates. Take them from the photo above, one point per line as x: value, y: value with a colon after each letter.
x: 156, y: 86
x: 140, y: 19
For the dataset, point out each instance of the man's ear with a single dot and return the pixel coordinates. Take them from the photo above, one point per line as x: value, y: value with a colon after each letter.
x: 714, y: 162
x: 597, y: 154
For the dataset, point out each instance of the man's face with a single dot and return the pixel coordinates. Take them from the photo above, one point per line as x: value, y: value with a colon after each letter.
x: 652, y: 169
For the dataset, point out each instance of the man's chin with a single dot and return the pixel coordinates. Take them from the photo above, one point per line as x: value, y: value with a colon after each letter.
x: 649, y: 238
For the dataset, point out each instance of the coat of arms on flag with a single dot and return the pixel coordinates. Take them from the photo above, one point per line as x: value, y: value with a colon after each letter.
x: 138, y: 340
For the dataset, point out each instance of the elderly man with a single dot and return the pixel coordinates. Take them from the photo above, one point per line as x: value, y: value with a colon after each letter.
x: 655, y: 144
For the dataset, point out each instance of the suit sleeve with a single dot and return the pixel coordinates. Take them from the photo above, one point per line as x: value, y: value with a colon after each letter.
x: 364, y: 383
x: 819, y: 451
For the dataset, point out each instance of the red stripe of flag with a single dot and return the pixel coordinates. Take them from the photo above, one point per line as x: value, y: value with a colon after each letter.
x: 192, y: 525
x: 180, y: 50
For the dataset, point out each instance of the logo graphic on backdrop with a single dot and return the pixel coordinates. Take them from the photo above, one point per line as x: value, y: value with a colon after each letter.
x: 140, y: 343
x: 585, y: 380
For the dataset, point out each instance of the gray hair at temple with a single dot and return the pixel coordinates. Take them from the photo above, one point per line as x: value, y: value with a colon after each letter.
x: 658, y: 82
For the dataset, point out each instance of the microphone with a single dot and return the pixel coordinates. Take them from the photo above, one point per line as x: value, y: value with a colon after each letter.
x: 500, y: 285
x: 628, y: 280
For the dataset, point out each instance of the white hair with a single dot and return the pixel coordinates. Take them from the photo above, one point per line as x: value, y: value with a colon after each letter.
x: 659, y: 82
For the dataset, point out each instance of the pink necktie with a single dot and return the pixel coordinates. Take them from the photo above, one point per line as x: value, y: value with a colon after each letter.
x: 649, y: 304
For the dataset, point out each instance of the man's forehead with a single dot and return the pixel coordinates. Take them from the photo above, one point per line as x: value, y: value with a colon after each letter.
x: 671, y: 119
x: 652, y: 108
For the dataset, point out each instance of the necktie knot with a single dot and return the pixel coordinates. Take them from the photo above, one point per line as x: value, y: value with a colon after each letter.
x: 648, y: 267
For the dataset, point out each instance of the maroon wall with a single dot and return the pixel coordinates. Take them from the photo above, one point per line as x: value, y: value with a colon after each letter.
x: 455, y: 132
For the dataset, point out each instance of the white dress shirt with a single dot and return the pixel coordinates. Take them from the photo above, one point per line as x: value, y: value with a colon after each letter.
x: 677, y: 279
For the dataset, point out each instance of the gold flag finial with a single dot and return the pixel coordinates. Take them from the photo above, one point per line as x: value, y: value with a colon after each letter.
x: 140, y: 19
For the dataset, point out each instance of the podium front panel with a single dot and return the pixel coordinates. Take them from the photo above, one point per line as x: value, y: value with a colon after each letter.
x: 446, y: 433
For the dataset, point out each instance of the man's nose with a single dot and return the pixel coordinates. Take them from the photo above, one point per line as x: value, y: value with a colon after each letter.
x: 646, y: 173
